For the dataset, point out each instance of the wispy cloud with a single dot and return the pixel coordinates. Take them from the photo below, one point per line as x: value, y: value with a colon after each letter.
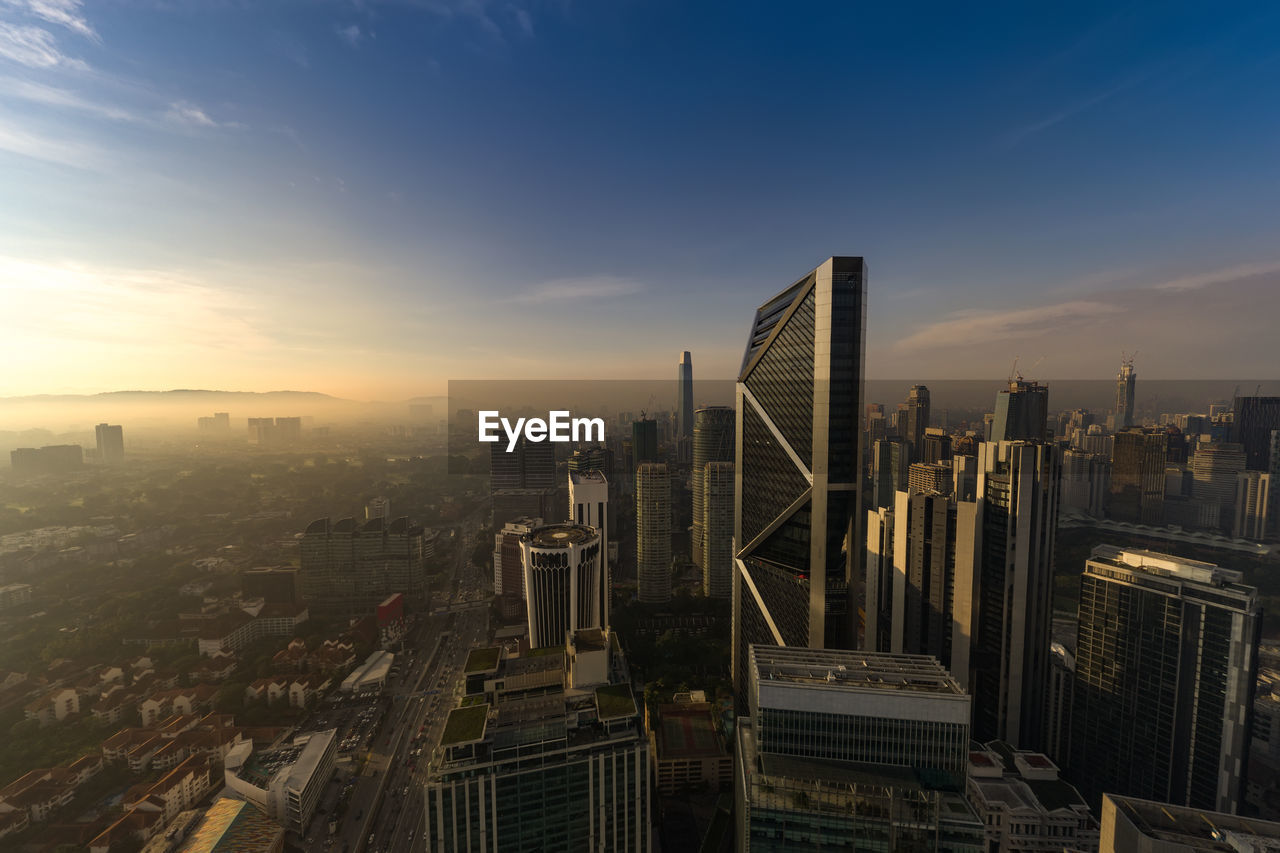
x: 186, y: 114
x: 1018, y: 135
x: 33, y: 47
x: 970, y: 327
x: 1222, y: 276
x: 588, y: 287
x: 351, y: 34
x: 523, y: 20
x: 37, y: 146
x: 66, y: 13
x: 53, y: 96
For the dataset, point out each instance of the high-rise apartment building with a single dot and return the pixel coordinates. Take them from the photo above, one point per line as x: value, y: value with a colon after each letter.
x: 1022, y: 412
x: 522, y: 482
x: 854, y: 751
x: 1215, y: 468
x: 713, y: 435
x: 348, y: 569
x: 653, y: 532
x: 1166, y: 662
x: 548, y: 754
x: 1125, y: 383
x: 797, y: 527
x: 890, y: 470
x: 1253, y: 494
x: 1008, y: 671
x: 917, y: 421
x: 589, y: 505
x: 717, y: 538
x: 564, y: 580
x: 930, y: 477
x: 937, y: 445
x: 1254, y: 419
x: 50, y: 459
x: 110, y: 443
x: 1138, y: 476
x: 1086, y: 483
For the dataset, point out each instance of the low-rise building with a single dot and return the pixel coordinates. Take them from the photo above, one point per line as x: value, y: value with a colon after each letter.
x: 1024, y: 803
x: 54, y: 706
x: 306, y: 689
x: 688, y: 752
x: 287, y: 782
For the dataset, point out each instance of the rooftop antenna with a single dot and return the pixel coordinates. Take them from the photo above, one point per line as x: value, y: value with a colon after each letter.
x: 1013, y: 371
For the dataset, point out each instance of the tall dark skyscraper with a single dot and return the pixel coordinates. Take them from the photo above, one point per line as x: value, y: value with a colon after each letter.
x: 644, y: 441
x: 1124, y: 393
x: 684, y: 403
x: 713, y: 435
x: 798, y: 519
x: 917, y: 421
x: 1137, y: 476
x: 1022, y: 412
x: 1166, y: 661
x: 1254, y: 418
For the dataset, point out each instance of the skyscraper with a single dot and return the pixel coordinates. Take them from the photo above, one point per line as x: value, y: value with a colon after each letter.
x: 653, y: 532
x: 644, y: 441
x: 589, y: 505
x: 1138, y: 476
x: 890, y: 470
x: 1214, y: 471
x: 1166, y: 661
x: 798, y: 520
x: 110, y: 443
x: 563, y: 580
x: 684, y: 401
x: 1022, y: 412
x: 508, y: 559
x: 1124, y: 393
x: 713, y: 435
x: 917, y: 421
x: 522, y: 482
x: 717, y: 538
x: 1254, y: 419
x: 844, y: 750
x: 1008, y: 669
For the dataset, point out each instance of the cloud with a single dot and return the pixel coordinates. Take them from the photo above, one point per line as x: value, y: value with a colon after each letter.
x: 970, y: 327
x: 40, y: 147
x: 1222, y: 276
x: 33, y: 47
x: 523, y: 20
x: 65, y: 13
x: 351, y: 34
x: 53, y: 96
x: 1018, y: 135
x: 189, y: 115
x: 588, y: 287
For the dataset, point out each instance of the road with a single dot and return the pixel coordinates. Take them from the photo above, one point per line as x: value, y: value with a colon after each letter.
x: 385, y: 809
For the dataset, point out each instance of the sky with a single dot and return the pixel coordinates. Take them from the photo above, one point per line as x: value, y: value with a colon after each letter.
x: 371, y: 198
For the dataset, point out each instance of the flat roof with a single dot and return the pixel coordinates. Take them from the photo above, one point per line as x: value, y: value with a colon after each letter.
x: 560, y: 535
x: 481, y: 660
x: 465, y: 725
x: 1195, y: 827
x: 860, y: 670
x: 614, y: 701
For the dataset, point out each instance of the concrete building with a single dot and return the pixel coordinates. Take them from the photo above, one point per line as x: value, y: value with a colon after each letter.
x: 890, y: 468
x: 684, y: 407
x: 1086, y: 483
x: 717, y: 529
x: 1022, y: 412
x: 508, y: 562
x: 1166, y: 662
x: 917, y: 421
x: 1253, y: 421
x: 1138, y: 476
x: 286, y: 782
x: 348, y: 568
x: 688, y: 752
x: 51, y: 459
x: 110, y: 443
x: 565, y: 580
x: 852, y: 750
x: 930, y: 478
x: 1025, y: 804
x: 1133, y: 825
x: 713, y: 434
x: 1215, y: 470
x: 653, y: 532
x: 798, y: 520
x: 1253, y: 495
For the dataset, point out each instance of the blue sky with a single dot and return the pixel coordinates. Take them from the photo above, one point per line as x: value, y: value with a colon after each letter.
x: 370, y: 198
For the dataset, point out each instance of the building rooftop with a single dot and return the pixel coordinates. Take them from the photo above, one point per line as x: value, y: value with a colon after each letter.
x: 614, y: 701
x: 591, y: 476
x: 1165, y: 565
x: 854, y: 669
x: 481, y: 660
x: 560, y: 535
x: 465, y: 725
x: 589, y: 640
x: 1199, y: 830
x: 233, y: 826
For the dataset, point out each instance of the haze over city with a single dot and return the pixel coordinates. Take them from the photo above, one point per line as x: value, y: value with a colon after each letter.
x: 367, y: 199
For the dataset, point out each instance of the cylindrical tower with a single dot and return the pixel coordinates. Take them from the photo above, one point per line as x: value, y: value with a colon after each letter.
x: 563, y: 577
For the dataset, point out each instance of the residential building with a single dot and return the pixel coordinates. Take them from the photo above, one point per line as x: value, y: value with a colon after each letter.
x: 564, y: 575
x: 1138, y: 476
x: 286, y: 782
x: 1025, y: 804
x: 508, y: 563
x: 110, y: 443
x: 1086, y: 483
x: 1166, y: 663
x: 890, y: 467
x: 1253, y: 494
x: 713, y: 434
x: 14, y: 595
x: 798, y: 516
x: 51, y: 459
x: 653, y: 532
x: 852, y: 750
x: 930, y: 477
x: 347, y: 568
x: 717, y: 529
x: 1215, y: 469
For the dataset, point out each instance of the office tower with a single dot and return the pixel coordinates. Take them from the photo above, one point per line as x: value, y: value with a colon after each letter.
x: 1022, y: 412
x: 684, y: 398
x: 846, y: 750
x: 592, y: 459
x: 937, y: 445
x: 1023, y: 803
x: 51, y: 459
x: 890, y: 470
x: 644, y: 441
x: 110, y: 443
x: 549, y: 753
x: 1124, y: 393
x: 1252, y: 424
x: 1018, y: 486
x: 379, y: 507
x: 1253, y: 491
x: 508, y: 558
x: 1137, y: 476
x: 1214, y: 471
x: 713, y: 434
x: 506, y: 468
x: 922, y: 559
x: 1062, y: 681
x: 522, y: 482
x: 1131, y: 825
x: 589, y: 505
x: 564, y: 579
x: 798, y: 520
x: 272, y: 585
x: 1166, y: 660
x: 653, y: 532
x: 348, y: 569
x: 917, y: 421
x: 1086, y: 483
x: 1273, y: 472
x: 717, y: 538
x: 926, y: 477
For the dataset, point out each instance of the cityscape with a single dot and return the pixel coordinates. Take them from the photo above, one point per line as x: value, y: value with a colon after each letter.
x: 619, y: 505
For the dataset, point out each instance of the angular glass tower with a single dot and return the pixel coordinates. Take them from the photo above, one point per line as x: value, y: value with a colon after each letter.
x: 798, y: 513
